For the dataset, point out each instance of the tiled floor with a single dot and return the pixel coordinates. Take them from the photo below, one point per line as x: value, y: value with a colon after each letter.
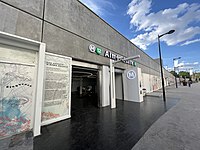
x: 92, y: 128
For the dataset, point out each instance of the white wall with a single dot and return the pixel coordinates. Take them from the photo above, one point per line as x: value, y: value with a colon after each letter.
x: 132, y: 90
x: 104, y: 87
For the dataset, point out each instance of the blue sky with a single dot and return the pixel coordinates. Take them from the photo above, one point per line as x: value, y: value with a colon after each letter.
x: 142, y: 20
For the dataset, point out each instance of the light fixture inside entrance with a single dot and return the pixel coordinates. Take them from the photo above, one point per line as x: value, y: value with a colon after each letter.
x: 83, y: 74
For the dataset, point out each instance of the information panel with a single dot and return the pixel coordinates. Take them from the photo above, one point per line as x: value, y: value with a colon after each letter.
x: 57, y: 92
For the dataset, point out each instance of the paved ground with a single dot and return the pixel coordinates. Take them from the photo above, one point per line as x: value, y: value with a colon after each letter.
x: 92, y: 128
x: 179, y: 128
x: 23, y: 141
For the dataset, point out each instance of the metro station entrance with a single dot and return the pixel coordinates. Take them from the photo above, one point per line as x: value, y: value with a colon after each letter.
x: 84, y: 88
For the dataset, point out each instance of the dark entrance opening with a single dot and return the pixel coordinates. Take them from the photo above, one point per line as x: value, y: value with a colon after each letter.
x: 119, y: 93
x: 84, y: 88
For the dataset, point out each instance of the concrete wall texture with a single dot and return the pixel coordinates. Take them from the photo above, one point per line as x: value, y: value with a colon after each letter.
x: 68, y: 28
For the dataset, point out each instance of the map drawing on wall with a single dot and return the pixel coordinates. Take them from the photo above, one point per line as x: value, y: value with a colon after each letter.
x: 16, y: 98
x: 57, y: 97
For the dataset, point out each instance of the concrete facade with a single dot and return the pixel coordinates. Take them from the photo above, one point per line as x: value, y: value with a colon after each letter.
x: 19, y: 23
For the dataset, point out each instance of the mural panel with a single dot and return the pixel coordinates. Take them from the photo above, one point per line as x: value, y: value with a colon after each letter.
x: 17, y: 71
x: 16, y: 98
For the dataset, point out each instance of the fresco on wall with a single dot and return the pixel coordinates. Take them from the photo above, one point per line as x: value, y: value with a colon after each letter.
x: 155, y: 84
x: 16, y: 98
x: 150, y: 82
x: 56, y: 102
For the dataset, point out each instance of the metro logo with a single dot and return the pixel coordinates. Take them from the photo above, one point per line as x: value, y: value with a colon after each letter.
x: 131, y: 74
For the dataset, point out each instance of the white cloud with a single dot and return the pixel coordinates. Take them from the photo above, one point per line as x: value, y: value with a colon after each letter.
x: 190, y: 42
x: 181, y: 64
x: 154, y: 23
x: 93, y: 6
x: 168, y: 68
x: 188, y: 64
x: 98, y: 6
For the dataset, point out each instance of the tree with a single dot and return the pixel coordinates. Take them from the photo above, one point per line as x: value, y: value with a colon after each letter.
x: 184, y: 74
x: 174, y: 73
x: 197, y: 75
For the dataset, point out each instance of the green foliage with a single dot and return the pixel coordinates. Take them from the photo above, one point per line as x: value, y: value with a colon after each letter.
x: 184, y: 74
x: 197, y: 75
x: 174, y: 73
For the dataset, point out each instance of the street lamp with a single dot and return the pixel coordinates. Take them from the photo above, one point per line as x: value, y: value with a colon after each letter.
x: 112, y: 78
x: 175, y: 70
x: 161, y: 68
